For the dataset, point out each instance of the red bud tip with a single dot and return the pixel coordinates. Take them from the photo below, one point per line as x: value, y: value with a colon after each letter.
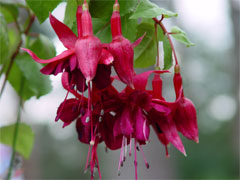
x: 196, y: 140
x: 177, y: 69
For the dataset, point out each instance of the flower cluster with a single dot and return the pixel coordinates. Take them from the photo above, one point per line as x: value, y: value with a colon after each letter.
x: 105, y: 114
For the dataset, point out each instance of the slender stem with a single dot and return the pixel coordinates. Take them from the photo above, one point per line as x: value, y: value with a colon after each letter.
x: 26, y: 31
x: 15, y: 133
x: 103, y: 28
x: 159, y: 22
x: 158, y: 59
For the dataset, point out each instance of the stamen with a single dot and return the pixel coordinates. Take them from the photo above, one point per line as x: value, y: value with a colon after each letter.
x: 166, y: 149
x: 86, y: 166
x: 144, y: 130
x: 125, y: 149
x: 89, y: 111
x: 135, y: 158
x: 102, y: 112
x: 87, y: 119
x: 130, y: 146
x: 112, y: 113
x: 120, y: 159
x: 99, y: 172
x: 144, y: 158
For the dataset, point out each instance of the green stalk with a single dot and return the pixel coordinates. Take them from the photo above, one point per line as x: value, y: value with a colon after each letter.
x: 15, y: 135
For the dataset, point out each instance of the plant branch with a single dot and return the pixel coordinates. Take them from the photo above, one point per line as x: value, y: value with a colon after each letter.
x: 159, y: 22
x: 104, y: 27
x: 26, y: 31
x: 15, y: 135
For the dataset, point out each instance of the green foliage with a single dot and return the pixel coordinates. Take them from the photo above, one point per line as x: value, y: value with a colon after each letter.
x: 42, y: 47
x: 4, y: 40
x: 35, y: 83
x: 167, y: 53
x: 25, y: 138
x: 145, y: 53
x: 41, y: 8
x: 147, y: 9
x: 70, y: 13
x: 9, y: 11
x: 103, y: 8
x: 181, y: 36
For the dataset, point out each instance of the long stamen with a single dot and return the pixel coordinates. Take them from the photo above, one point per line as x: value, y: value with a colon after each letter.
x: 125, y: 149
x: 130, y: 146
x: 144, y: 158
x: 144, y: 130
x: 86, y: 166
x: 90, y: 112
x: 166, y: 149
x: 120, y: 158
x: 99, y: 172
x: 135, y: 158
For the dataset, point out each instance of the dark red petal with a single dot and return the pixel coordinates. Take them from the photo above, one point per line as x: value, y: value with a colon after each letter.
x: 102, y: 78
x: 59, y: 68
x: 138, y: 41
x: 84, y: 132
x: 126, y: 122
x: 78, y: 79
x: 68, y: 110
x: 49, y: 69
x: 185, y: 118
x: 64, y: 33
x: 64, y: 55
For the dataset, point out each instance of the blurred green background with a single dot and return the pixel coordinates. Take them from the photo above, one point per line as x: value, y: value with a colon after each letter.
x: 211, y: 80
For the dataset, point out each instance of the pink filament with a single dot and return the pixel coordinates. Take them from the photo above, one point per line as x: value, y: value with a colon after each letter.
x: 89, y: 109
x: 86, y: 166
x: 130, y: 146
x: 144, y: 158
x: 135, y: 158
x: 120, y: 159
x: 99, y: 172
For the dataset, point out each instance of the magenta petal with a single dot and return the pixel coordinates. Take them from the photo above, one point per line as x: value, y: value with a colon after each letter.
x: 73, y: 62
x: 142, y: 129
x: 106, y: 57
x: 78, y: 79
x: 64, y: 55
x: 163, y: 110
x: 140, y: 80
x: 138, y: 41
x: 64, y: 33
x: 185, y: 118
x: 49, y: 69
x: 88, y: 52
x: 59, y: 68
x: 126, y: 122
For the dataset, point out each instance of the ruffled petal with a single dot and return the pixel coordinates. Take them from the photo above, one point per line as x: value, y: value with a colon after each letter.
x: 64, y: 33
x: 64, y: 55
x: 84, y: 132
x: 102, y: 78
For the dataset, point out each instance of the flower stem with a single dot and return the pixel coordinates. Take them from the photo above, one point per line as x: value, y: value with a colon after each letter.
x: 159, y: 22
x: 156, y: 38
x: 15, y: 135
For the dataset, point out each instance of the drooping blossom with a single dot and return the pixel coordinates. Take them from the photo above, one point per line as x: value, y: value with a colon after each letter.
x: 122, y: 49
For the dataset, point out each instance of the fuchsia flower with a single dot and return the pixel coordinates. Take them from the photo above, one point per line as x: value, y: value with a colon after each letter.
x: 106, y: 115
x: 122, y: 49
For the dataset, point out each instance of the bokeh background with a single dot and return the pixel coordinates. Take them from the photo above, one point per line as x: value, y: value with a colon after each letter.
x: 211, y: 80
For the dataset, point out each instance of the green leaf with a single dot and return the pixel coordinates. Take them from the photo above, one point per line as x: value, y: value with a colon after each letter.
x: 104, y: 8
x: 167, y: 53
x: 181, y: 36
x: 35, y: 83
x: 41, y: 8
x: 25, y: 138
x: 4, y: 41
x: 129, y: 27
x: 9, y: 11
x: 147, y: 9
x: 42, y: 47
x: 70, y: 13
x: 145, y: 53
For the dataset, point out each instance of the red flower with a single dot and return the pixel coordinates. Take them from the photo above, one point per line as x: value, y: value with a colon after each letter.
x: 122, y: 49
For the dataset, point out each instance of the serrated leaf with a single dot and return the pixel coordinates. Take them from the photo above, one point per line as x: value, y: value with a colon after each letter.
x: 35, y: 83
x: 147, y: 9
x: 42, y: 46
x: 104, y: 8
x: 25, y: 138
x: 181, y: 36
x: 4, y: 41
x: 41, y: 8
x: 167, y: 53
x: 70, y: 13
x: 145, y: 53
x: 9, y: 11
